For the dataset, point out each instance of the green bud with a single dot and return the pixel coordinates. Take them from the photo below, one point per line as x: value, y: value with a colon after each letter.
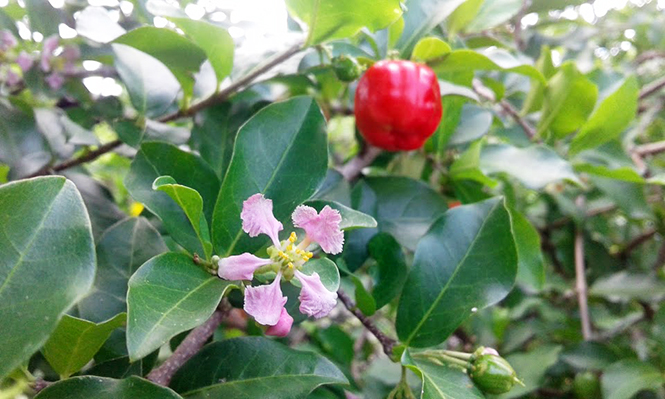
x: 346, y: 68
x: 587, y: 386
x: 491, y: 373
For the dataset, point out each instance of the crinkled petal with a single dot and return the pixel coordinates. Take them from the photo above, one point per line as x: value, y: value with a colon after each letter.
x: 240, y: 267
x: 265, y: 302
x: 283, y: 326
x: 24, y: 60
x: 315, y: 299
x: 257, y: 218
x: 322, y: 228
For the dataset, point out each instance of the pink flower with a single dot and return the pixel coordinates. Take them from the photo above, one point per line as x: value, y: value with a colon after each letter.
x: 71, y: 53
x: 322, y: 228
x: 50, y: 44
x: 55, y: 80
x: 315, y: 299
x: 7, y: 40
x: 257, y: 218
x: 265, y: 302
x: 283, y: 326
x: 240, y: 267
x: 12, y: 78
x: 24, y: 60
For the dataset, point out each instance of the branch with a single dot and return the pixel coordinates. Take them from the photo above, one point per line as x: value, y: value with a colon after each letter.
x: 387, y: 342
x: 652, y: 88
x: 636, y: 242
x: 70, y: 163
x: 488, y: 95
x: 580, y: 278
x: 352, y: 169
x: 650, y: 148
x: 649, y: 55
x: 189, y: 347
x: 519, y: 40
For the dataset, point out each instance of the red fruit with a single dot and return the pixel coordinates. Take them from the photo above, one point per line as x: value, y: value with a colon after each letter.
x: 398, y: 105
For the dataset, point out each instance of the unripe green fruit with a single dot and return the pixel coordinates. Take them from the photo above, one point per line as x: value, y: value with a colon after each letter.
x: 346, y: 68
x: 492, y: 374
x: 587, y: 386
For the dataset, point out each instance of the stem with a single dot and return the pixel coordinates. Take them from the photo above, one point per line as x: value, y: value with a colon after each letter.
x: 507, y: 108
x: 580, y: 278
x: 386, y: 342
x: 636, y: 242
x: 650, y: 149
x: 351, y: 171
x: 460, y: 355
x: 189, y: 347
x: 652, y: 88
x: 517, y: 33
x: 70, y: 163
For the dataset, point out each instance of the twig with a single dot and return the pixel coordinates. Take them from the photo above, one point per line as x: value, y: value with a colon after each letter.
x: 635, y: 243
x: 352, y: 169
x: 650, y: 149
x: 70, y: 163
x: 649, y: 55
x: 189, y: 347
x: 387, y: 342
x: 488, y: 95
x: 652, y: 88
x: 580, y: 278
x: 519, y: 40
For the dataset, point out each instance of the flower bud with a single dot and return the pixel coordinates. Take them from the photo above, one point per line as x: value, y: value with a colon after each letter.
x: 491, y: 373
x: 346, y: 68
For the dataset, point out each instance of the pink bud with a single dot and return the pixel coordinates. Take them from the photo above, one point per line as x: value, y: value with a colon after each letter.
x: 283, y: 326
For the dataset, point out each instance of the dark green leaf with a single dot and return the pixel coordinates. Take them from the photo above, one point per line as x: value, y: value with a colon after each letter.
x: 624, y: 286
x: 531, y: 267
x: 254, y: 367
x: 106, y: 388
x: 326, y: 269
x: 280, y: 152
x: 625, y: 378
x: 169, y: 294
x: 75, y: 341
x: 467, y: 260
x: 43, y: 17
x: 47, y: 262
x: 474, y: 124
x: 121, y: 250
x: 351, y: 219
x: 22, y: 147
x: 630, y: 197
x: 441, y: 381
x: 467, y: 166
x: 589, y: 356
x: 391, y: 268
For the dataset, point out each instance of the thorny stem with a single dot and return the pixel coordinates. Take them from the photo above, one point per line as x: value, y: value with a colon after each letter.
x: 221, y: 96
x: 386, y: 342
x: 580, y: 278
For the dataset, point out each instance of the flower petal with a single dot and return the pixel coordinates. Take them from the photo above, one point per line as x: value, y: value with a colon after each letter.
x: 257, y: 218
x: 265, y: 302
x: 24, y: 60
x: 55, y: 80
x: 50, y: 44
x: 240, y: 267
x: 283, y: 326
x: 7, y: 40
x: 322, y: 228
x: 315, y: 299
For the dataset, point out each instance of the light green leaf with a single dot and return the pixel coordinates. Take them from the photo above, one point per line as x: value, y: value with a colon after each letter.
x: 493, y: 13
x: 339, y: 19
x: 467, y: 166
x: 430, y: 48
x: 624, y: 379
x: 420, y: 18
x: 351, y: 219
x: 169, y: 294
x: 625, y: 173
x: 467, y: 260
x: 267, y: 366
x: 534, y: 166
x: 464, y: 14
x: 191, y: 202
x: 47, y: 262
x: 75, y: 341
x: 280, y: 152
x: 492, y: 59
x: 87, y: 387
x: 531, y: 267
x: 611, y: 117
x: 534, y: 99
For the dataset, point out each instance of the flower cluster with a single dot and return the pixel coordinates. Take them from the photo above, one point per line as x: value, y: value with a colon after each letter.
x: 265, y: 302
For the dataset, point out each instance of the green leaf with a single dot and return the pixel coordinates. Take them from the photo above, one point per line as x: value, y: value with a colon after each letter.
x: 493, y: 13
x: 266, y: 367
x: 43, y: 17
x: 464, y: 14
x: 430, y: 48
x: 169, y: 294
x: 467, y: 260
x: 530, y: 368
x: 106, y: 388
x: 569, y: 99
x: 22, y: 146
x: 96, y: 24
x: 534, y: 166
x: 156, y: 159
x: 630, y: 197
x: 391, y: 268
x: 531, y: 267
x: 327, y: 271
x: 467, y: 166
x: 191, y: 202
x: 625, y: 173
x: 351, y: 219
x: 152, y: 87
x: 441, y: 381
x: 491, y: 59
x: 420, y: 18
x: 121, y: 250
x: 339, y: 19
x: 534, y: 99
x: 475, y: 123
x: 75, y: 341
x: 280, y: 152
x: 182, y: 57
x: 47, y: 262
x: 214, y: 40
x: 611, y: 117
x: 589, y: 356
x: 624, y: 286
x: 624, y: 379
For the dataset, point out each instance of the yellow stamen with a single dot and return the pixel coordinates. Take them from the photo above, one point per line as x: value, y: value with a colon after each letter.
x: 293, y: 237
x: 289, y: 247
x: 290, y: 265
x: 309, y: 255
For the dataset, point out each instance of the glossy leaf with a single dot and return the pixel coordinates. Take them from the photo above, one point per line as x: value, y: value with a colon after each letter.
x: 441, y: 381
x: 534, y: 166
x: 491, y: 59
x: 611, y: 117
x: 623, y: 379
x: 156, y: 159
x: 420, y: 17
x: 169, y: 294
x: 106, y: 388
x: 430, y: 48
x: 191, y: 202
x: 475, y: 123
x: 466, y: 260
x: 151, y: 86
x: 351, y: 219
x: 339, y: 19
x: 22, y: 147
x: 267, y: 367
x: 531, y: 266
x: 47, y: 262
x: 391, y: 268
x: 467, y: 166
x: 75, y: 341
x: 327, y: 271
x: 286, y: 162
x: 122, y: 249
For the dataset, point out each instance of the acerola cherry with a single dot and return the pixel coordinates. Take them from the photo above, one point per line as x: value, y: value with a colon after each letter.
x: 398, y: 105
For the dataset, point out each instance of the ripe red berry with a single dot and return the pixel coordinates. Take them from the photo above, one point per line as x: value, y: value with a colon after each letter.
x: 398, y: 105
